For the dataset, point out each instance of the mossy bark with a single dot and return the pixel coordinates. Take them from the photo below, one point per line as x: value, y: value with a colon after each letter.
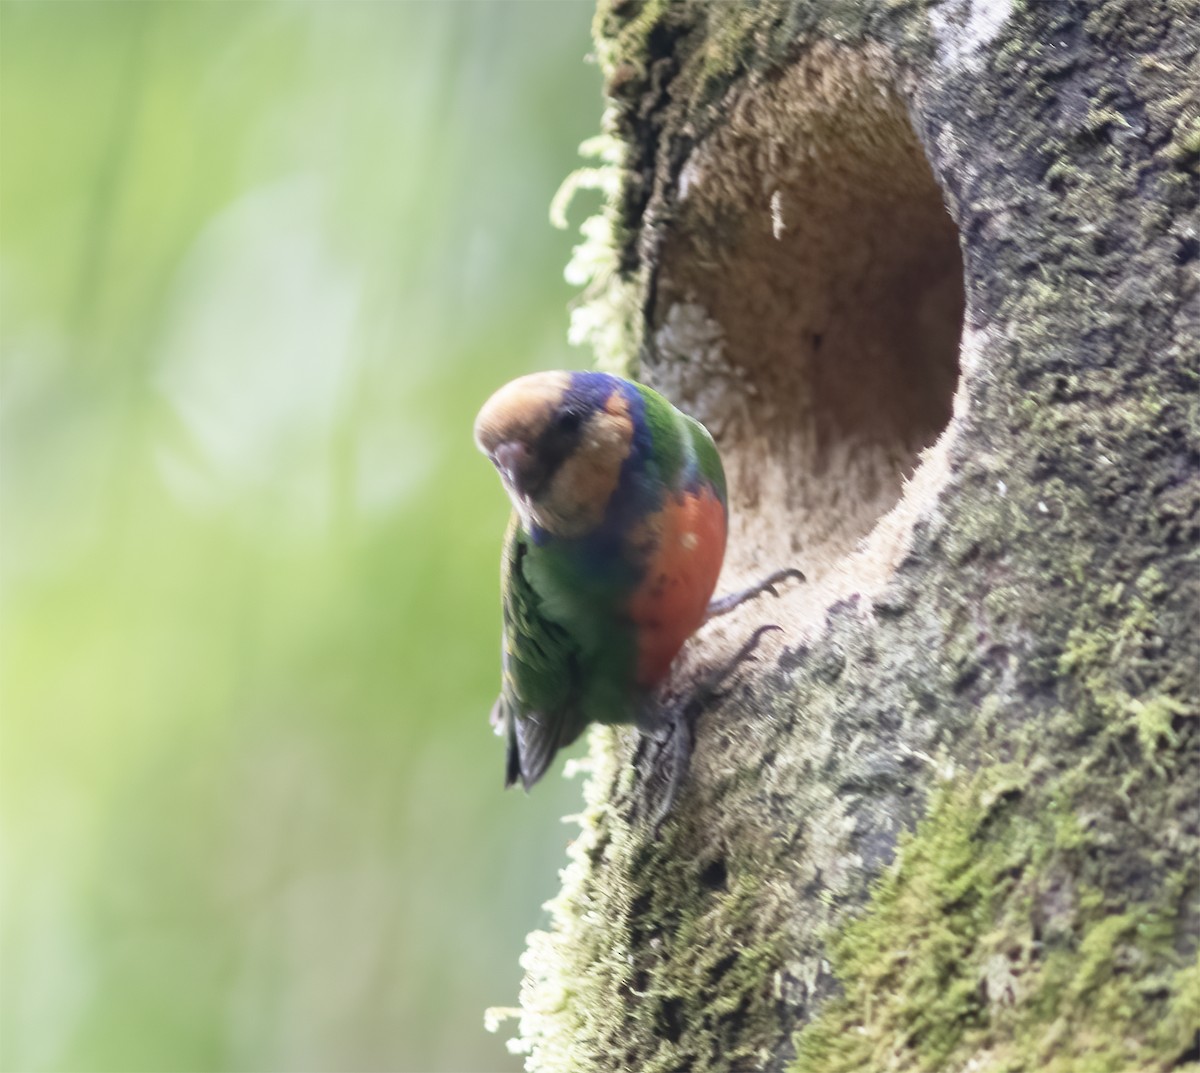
x: 955, y: 824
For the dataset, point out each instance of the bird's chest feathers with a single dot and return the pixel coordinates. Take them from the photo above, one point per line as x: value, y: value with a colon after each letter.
x: 684, y: 544
x: 645, y: 585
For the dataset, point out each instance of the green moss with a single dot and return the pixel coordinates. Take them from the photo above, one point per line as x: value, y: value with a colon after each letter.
x: 728, y: 44
x: 958, y: 954
x: 1153, y: 719
x: 910, y: 981
x: 1183, y: 1011
x: 644, y: 975
x: 622, y: 30
x: 709, y: 44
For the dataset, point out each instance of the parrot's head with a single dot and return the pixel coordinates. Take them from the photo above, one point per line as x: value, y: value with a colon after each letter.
x: 558, y: 440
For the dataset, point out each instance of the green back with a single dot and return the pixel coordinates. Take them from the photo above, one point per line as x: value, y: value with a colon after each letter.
x: 681, y: 442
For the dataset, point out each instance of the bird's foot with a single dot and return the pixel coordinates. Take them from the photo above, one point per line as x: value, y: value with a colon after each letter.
x: 735, y: 599
x: 676, y: 726
x: 743, y: 655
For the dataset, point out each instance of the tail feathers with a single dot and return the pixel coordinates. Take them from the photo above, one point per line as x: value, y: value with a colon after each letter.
x: 533, y: 739
x: 512, y: 761
x: 532, y: 743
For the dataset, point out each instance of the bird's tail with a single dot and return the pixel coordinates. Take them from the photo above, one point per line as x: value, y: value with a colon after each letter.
x: 532, y: 740
x: 532, y: 743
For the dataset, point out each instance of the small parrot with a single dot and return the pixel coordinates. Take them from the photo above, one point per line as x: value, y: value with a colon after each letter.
x: 611, y: 556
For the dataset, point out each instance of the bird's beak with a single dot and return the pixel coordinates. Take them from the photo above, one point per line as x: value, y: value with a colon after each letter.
x: 513, y: 459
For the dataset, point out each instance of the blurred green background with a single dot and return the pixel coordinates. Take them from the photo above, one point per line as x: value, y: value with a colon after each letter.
x: 260, y: 264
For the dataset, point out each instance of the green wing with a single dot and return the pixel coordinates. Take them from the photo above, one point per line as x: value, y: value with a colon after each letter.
x: 538, y: 705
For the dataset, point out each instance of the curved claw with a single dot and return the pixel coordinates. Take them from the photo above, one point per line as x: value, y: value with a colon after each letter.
x: 791, y: 571
x: 743, y: 655
x: 727, y: 603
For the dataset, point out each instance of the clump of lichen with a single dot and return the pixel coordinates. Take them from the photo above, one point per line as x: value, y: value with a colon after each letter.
x: 603, y: 317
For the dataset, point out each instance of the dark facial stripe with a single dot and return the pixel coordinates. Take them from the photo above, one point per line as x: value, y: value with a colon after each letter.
x: 558, y: 442
x: 585, y: 397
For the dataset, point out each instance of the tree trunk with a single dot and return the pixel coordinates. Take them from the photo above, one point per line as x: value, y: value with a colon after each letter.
x: 928, y: 272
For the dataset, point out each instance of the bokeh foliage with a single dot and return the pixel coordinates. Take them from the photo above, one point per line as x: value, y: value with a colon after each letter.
x: 260, y: 263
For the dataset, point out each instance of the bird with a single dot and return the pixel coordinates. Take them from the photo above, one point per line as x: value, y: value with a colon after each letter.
x: 610, y: 559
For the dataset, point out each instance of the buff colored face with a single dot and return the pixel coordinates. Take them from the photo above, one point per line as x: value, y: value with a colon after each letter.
x: 559, y: 458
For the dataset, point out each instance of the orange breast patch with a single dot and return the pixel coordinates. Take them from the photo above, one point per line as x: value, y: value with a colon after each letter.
x: 680, y: 577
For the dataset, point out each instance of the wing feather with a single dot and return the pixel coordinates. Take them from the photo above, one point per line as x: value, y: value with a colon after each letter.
x: 538, y: 706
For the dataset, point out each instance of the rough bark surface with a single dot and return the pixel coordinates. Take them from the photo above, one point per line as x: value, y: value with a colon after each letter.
x: 929, y: 271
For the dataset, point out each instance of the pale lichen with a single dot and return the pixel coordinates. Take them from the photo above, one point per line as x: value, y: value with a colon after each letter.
x: 604, y: 316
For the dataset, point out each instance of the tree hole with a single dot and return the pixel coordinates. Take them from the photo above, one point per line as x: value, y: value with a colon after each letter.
x: 808, y: 308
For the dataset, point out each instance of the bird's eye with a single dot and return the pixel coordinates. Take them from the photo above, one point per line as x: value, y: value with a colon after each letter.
x: 568, y: 420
